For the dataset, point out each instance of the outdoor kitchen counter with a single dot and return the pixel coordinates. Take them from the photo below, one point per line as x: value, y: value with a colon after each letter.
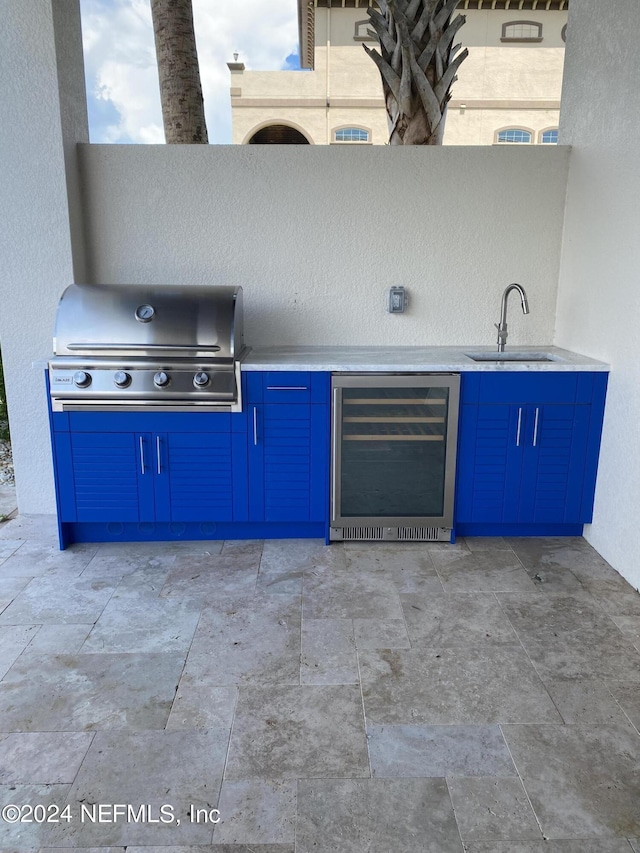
x: 383, y: 359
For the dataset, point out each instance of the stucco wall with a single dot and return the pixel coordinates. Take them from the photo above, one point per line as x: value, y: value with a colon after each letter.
x: 599, y: 293
x: 317, y: 235
x: 40, y: 238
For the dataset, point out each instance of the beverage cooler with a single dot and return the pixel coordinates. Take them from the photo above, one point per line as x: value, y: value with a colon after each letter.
x: 393, y: 456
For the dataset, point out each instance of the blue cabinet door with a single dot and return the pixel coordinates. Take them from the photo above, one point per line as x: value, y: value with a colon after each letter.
x: 105, y: 476
x: 194, y: 477
x: 553, y: 469
x: 522, y: 464
x: 288, y: 462
x: 489, y: 464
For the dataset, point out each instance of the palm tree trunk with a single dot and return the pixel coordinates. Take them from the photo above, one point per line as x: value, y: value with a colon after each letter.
x: 179, y: 73
x: 418, y: 64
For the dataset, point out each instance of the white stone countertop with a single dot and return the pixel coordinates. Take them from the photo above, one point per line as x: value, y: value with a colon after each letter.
x: 413, y: 359
x: 406, y: 359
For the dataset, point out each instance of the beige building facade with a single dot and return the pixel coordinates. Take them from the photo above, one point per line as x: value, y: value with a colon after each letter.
x: 508, y: 89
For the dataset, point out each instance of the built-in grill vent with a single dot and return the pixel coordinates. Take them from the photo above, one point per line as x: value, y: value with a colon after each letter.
x: 392, y: 534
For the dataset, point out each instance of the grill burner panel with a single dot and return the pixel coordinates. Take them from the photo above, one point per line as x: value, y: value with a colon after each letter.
x: 127, y: 347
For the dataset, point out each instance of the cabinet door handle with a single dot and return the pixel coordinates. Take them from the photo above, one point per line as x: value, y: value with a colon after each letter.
x: 287, y: 388
x: 535, y: 428
x: 255, y: 426
x: 158, y: 452
x: 142, y: 469
x: 519, y: 425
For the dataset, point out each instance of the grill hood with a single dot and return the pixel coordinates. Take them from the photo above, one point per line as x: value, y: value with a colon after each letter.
x: 132, y: 348
x: 184, y: 321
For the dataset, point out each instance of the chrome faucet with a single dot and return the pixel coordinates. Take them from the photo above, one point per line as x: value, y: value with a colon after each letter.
x: 502, y: 328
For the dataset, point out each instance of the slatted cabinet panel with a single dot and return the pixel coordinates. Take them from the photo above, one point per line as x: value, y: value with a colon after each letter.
x: 553, y: 466
x: 287, y: 462
x: 288, y: 447
x: 527, y: 464
x: 491, y: 463
x: 199, y: 469
x: 109, y: 480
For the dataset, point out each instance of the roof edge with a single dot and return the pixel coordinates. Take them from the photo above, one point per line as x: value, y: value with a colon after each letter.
x: 306, y: 32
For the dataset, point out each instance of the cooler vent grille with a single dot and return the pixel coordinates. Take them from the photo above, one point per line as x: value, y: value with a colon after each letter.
x: 393, y: 534
x: 423, y: 534
x: 363, y: 532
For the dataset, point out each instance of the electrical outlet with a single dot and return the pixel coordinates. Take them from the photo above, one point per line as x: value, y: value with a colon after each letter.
x: 398, y: 300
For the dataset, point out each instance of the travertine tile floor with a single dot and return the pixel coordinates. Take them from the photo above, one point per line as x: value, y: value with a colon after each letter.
x: 365, y: 698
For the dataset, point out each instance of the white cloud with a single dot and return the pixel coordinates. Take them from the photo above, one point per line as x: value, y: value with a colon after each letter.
x: 121, y: 64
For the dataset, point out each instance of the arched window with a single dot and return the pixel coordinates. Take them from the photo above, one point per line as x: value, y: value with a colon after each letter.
x: 351, y: 134
x: 549, y: 137
x: 514, y: 134
x: 278, y: 134
x: 521, y: 31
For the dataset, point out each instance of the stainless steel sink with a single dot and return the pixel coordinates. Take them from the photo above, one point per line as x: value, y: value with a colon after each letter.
x: 512, y: 356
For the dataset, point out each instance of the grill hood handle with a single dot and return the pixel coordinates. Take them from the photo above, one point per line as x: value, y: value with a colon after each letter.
x: 93, y: 347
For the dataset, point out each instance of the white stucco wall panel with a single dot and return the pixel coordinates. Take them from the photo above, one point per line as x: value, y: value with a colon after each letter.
x: 279, y: 84
x: 599, y: 292
x: 316, y: 236
x: 36, y: 245
x: 479, y: 127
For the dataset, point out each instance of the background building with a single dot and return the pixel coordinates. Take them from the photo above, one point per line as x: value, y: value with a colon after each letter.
x: 508, y: 88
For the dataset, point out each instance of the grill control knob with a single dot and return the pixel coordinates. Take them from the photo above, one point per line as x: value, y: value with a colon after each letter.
x: 201, y: 379
x: 161, y: 379
x: 121, y: 379
x: 82, y: 379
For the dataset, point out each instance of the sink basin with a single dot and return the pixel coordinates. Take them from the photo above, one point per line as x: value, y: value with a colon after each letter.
x: 511, y: 356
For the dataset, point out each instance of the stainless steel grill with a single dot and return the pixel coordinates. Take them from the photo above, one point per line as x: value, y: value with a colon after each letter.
x: 132, y: 348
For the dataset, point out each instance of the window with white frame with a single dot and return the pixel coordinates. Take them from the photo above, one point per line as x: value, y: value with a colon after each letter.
x: 351, y: 134
x: 549, y: 137
x: 521, y: 31
x: 514, y: 135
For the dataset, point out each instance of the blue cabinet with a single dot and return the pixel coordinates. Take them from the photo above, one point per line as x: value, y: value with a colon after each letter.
x: 148, y: 477
x: 288, y: 447
x: 134, y: 476
x: 259, y: 473
x: 528, y: 451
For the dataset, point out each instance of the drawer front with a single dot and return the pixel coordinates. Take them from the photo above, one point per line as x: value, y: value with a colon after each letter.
x: 520, y: 387
x: 286, y: 387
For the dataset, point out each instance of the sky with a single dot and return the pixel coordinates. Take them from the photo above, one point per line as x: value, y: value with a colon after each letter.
x: 123, y: 97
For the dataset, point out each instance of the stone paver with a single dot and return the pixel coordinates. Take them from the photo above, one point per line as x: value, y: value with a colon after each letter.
x: 482, y: 697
